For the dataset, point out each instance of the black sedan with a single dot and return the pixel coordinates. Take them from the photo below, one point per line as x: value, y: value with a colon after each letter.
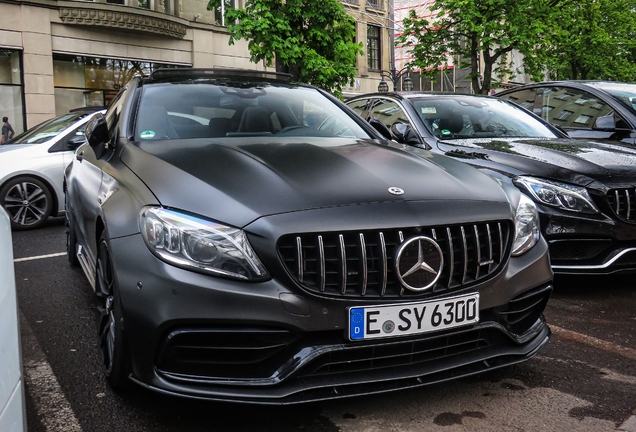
x: 585, y: 190
x: 599, y: 110
x: 285, y: 253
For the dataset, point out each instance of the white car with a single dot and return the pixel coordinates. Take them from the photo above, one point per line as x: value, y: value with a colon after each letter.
x: 12, y: 411
x: 32, y: 168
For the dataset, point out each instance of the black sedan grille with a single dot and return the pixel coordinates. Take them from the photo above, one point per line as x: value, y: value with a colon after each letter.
x: 623, y: 203
x: 362, y: 263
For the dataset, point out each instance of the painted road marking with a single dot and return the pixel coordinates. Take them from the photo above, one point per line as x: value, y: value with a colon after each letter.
x: 629, y: 353
x: 17, y: 260
x: 53, y: 409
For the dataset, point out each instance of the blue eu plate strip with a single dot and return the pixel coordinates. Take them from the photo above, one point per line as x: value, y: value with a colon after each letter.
x: 356, y: 323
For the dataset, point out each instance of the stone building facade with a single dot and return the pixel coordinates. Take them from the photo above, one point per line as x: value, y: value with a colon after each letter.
x: 56, y: 55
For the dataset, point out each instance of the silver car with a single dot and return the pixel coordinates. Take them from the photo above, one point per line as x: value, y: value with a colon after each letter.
x: 32, y: 168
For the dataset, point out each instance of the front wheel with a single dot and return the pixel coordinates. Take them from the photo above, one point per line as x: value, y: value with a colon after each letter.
x: 28, y: 202
x: 111, y: 335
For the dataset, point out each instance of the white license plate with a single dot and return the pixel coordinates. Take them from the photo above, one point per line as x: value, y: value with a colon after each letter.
x: 371, y: 322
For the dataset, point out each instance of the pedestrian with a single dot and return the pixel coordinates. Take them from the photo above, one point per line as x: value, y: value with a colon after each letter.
x: 7, y: 130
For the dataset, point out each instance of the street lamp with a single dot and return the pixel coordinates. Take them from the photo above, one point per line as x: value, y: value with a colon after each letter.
x: 394, y: 76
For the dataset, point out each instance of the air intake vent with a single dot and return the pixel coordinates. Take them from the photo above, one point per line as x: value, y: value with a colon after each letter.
x: 362, y: 263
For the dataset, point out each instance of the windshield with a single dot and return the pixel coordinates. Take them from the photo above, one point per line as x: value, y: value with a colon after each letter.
x: 461, y: 117
x: 210, y: 109
x: 47, y: 130
x: 625, y: 93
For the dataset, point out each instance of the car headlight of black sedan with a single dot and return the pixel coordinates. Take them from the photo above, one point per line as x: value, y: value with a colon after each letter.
x: 557, y: 194
x: 199, y: 244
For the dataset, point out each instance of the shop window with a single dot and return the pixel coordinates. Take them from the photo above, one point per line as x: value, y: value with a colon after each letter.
x: 82, y: 81
x: 11, y: 90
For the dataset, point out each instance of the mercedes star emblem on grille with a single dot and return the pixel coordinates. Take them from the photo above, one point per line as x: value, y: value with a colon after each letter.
x: 396, y: 191
x: 419, y: 263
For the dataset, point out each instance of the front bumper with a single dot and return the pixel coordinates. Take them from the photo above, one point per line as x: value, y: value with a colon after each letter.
x: 588, y: 244
x: 198, y: 336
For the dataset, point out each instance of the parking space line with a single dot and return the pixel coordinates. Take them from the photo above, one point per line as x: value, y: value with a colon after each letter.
x: 53, y: 409
x: 592, y: 341
x: 17, y: 260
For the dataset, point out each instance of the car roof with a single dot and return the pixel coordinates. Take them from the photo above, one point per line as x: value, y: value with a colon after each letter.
x: 417, y: 94
x: 597, y: 84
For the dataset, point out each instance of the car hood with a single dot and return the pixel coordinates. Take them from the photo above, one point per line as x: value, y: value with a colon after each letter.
x: 575, y: 161
x: 9, y: 148
x: 237, y: 184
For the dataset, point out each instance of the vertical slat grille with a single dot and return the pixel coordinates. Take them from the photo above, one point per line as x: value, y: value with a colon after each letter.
x: 353, y: 264
x: 623, y: 203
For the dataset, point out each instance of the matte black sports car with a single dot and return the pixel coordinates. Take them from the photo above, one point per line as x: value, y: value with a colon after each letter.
x: 285, y: 253
x: 585, y: 190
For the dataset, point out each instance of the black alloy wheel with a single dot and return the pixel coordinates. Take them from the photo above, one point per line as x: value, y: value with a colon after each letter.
x: 111, y: 339
x: 28, y: 202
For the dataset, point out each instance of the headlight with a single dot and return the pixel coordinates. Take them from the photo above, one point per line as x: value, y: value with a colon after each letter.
x: 556, y: 194
x: 191, y: 242
x: 526, y: 226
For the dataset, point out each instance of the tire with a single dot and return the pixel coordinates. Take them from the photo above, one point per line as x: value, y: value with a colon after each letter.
x: 111, y: 335
x: 71, y: 240
x: 27, y: 200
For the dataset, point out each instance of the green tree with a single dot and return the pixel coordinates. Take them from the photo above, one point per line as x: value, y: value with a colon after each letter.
x: 464, y: 31
x: 312, y: 40
x: 591, y: 39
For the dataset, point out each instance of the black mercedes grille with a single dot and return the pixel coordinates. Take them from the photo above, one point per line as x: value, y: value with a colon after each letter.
x: 362, y: 263
x: 623, y: 202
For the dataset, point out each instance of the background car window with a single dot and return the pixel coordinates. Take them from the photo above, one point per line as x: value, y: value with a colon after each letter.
x: 388, y: 112
x: 572, y: 108
x: 47, y: 130
x: 472, y: 117
x: 525, y: 98
x: 358, y: 105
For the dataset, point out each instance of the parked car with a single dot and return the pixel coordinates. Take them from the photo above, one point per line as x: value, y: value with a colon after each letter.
x: 273, y: 262
x: 32, y: 168
x: 600, y: 110
x: 585, y: 190
x: 12, y: 406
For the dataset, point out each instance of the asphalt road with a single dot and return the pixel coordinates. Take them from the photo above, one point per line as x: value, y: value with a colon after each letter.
x: 584, y: 380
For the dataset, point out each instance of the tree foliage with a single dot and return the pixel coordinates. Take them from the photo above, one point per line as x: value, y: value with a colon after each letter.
x: 461, y: 32
x: 563, y: 39
x: 590, y: 39
x: 312, y: 40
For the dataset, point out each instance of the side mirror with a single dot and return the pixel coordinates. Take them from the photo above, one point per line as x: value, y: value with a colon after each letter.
x: 605, y: 123
x: 380, y: 127
x: 97, y: 134
x: 404, y: 133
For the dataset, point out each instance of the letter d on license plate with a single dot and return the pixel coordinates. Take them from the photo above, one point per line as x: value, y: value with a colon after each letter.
x: 371, y: 322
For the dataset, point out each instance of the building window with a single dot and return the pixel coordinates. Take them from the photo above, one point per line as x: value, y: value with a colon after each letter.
x: 219, y: 11
x: 583, y: 119
x: 563, y: 115
x: 373, y: 47
x: 11, y: 94
x: 376, y: 4
x: 82, y: 81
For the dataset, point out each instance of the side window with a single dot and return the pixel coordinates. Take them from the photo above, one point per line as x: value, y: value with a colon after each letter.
x: 575, y: 109
x: 526, y: 99
x: 112, y: 114
x: 358, y: 105
x: 388, y: 112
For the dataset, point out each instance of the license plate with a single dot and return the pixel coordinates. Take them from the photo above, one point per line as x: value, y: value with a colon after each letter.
x: 372, y: 322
